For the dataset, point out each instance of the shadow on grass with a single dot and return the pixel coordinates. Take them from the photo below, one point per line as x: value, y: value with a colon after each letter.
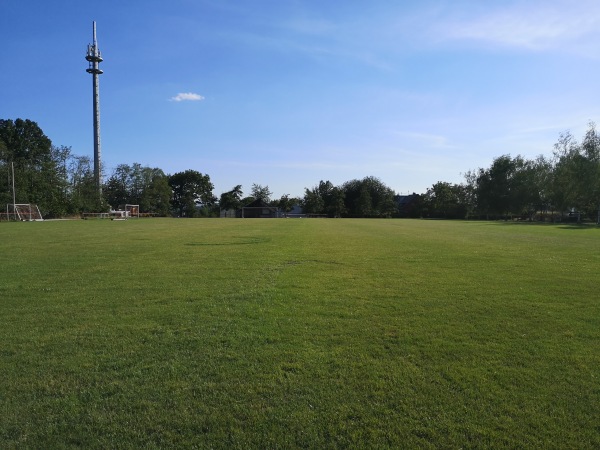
x: 560, y: 225
x: 234, y: 241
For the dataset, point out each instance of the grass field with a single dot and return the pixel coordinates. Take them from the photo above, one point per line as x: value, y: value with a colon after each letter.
x: 299, y: 334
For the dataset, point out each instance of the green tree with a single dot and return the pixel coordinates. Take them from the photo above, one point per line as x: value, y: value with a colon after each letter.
x: 496, y: 187
x: 157, y: 194
x: 516, y: 186
x: 313, y: 202
x: 82, y: 189
x: 262, y: 193
x: 38, y: 166
x: 591, y: 173
x: 445, y: 200
x: 324, y: 198
x: 286, y: 204
x: 541, y: 184
x: 191, y: 190
x: 138, y: 185
x: 576, y: 181
x: 334, y: 202
x: 116, y: 189
x: 232, y: 199
x: 368, y: 197
x: 5, y: 175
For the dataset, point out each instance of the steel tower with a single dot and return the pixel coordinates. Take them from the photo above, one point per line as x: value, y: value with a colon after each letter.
x: 94, y: 57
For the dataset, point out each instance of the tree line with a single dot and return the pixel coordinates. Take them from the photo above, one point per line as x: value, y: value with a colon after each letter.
x: 567, y: 182
x: 62, y: 184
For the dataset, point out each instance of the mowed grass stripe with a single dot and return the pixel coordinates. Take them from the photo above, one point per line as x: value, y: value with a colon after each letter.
x: 299, y: 333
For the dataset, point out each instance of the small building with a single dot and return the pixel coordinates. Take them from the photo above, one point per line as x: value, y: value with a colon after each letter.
x: 258, y: 209
x: 408, y: 205
x: 296, y: 211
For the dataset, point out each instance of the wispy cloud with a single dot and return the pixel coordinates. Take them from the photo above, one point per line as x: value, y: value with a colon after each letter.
x: 187, y: 97
x: 531, y: 27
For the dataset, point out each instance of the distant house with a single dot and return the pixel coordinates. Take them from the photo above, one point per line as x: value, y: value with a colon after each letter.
x: 296, y: 211
x: 408, y: 205
x: 258, y: 209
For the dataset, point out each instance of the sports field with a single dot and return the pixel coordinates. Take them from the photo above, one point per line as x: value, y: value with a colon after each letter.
x: 299, y: 333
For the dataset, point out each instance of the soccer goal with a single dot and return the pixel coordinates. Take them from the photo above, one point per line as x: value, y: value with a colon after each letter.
x: 133, y: 210
x: 26, y: 212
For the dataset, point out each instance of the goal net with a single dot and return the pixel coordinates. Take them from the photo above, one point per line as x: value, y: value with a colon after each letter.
x: 133, y: 210
x: 26, y: 212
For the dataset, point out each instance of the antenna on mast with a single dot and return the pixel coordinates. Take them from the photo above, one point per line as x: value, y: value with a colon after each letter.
x: 94, y: 57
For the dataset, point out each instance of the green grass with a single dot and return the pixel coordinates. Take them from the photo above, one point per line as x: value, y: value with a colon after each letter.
x: 299, y: 334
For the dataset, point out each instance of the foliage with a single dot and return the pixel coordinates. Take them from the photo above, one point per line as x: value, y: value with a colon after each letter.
x: 191, y: 191
x: 38, y: 175
x: 577, y: 172
x: 287, y: 203
x: 139, y: 185
x: 299, y: 334
x: 232, y: 199
x: 517, y: 186
x: 62, y: 183
x: 262, y: 193
x: 157, y: 194
x: 368, y: 197
x: 445, y: 200
x: 325, y: 198
x: 82, y: 189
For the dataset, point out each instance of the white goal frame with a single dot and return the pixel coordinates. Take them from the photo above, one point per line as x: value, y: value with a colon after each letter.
x: 133, y: 210
x: 24, y: 212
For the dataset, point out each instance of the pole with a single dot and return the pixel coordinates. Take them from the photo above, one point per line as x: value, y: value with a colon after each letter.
x: 94, y: 57
x: 13, y: 187
x: 97, y: 148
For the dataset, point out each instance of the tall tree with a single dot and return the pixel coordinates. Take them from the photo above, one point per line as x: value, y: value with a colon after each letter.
x: 495, y: 186
x: 313, y: 202
x: 138, y: 185
x: 445, y: 200
x: 262, y: 193
x: 591, y: 173
x: 5, y: 175
x: 82, y: 189
x: 157, y: 194
x: 232, y: 199
x: 577, y: 172
x: 191, y: 190
x: 541, y: 182
x: 286, y: 204
x: 324, y: 198
x: 39, y: 176
x: 116, y: 189
x: 368, y: 197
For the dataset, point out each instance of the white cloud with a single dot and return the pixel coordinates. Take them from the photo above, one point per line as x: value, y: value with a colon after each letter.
x: 187, y: 97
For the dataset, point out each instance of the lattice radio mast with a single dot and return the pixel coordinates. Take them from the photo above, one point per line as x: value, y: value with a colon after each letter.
x: 94, y: 57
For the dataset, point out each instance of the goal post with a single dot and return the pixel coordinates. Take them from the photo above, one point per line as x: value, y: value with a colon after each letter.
x: 25, y: 212
x: 133, y: 210
x: 126, y: 211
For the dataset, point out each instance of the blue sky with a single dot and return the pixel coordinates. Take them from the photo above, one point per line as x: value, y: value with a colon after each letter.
x: 289, y: 92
